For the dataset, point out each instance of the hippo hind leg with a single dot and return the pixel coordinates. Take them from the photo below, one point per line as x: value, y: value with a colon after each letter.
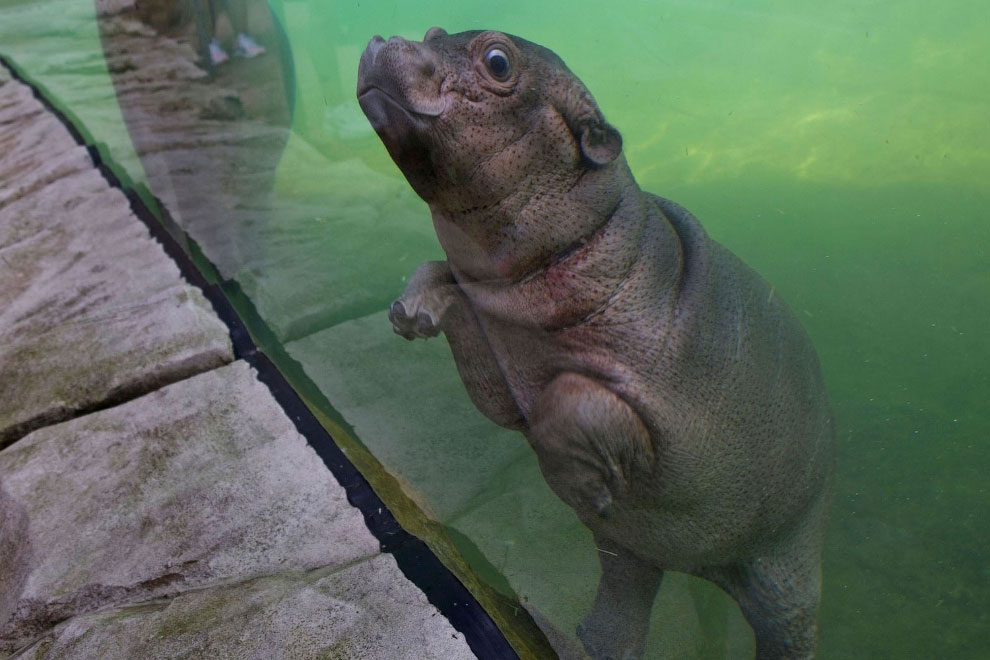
x: 593, y: 450
x: 779, y: 595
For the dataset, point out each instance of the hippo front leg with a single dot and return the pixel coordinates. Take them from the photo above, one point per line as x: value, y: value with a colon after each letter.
x: 420, y: 309
x: 433, y: 303
x: 595, y: 453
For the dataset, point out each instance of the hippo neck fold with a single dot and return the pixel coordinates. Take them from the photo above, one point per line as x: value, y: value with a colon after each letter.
x: 543, y: 217
x: 582, y: 274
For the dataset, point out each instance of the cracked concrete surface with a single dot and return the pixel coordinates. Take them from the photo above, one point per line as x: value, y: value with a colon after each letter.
x: 186, y: 516
x: 349, y: 613
x: 92, y: 311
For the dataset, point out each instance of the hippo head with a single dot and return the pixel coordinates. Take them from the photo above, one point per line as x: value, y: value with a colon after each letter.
x: 479, y: 112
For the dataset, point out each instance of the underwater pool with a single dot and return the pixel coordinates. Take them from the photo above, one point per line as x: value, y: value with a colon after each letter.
x: 840, y: 149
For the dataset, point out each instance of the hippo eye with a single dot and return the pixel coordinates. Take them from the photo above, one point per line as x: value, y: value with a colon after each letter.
x: 498, y: 64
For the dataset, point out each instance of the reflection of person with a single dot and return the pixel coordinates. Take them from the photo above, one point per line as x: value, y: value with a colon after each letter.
x: 236, y: 13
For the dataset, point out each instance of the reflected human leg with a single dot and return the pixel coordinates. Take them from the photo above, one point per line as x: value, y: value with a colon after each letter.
x: 236, y: 12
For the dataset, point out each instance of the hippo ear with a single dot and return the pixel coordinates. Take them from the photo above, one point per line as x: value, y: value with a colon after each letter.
x: 600, y: 142
x: 435, y: 32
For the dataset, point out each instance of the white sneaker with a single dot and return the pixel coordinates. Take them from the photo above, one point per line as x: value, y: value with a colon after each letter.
x: 248, y: 47
x: 217, y: 54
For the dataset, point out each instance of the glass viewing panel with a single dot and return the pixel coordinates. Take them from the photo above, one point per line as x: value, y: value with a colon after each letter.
x: 839, y: 149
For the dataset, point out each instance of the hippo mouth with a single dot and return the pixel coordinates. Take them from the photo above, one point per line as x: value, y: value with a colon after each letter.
x: 387, y: 116
x: 369, y: 93
x: 400, y: 128
x: 401, y: 110
x: 405, y: 134
x: 379, y: 94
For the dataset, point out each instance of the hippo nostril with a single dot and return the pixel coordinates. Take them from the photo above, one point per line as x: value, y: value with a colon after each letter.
x: 374, y: 46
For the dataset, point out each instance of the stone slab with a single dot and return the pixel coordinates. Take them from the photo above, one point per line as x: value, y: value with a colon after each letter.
x: 201, y: 481
x: 363, y: 612
x: 92, y: 311
x: 13, y: 552
x: 15, y: 101
x: 35, y: 149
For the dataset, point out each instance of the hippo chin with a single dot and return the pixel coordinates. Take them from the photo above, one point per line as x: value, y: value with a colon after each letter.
x: 670, y: 396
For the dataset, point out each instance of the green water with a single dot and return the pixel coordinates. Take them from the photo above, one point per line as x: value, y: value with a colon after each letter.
x: 841, y: 149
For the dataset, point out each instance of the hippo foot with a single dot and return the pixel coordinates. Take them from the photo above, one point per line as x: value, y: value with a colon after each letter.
x: 412, y: 321
x: 420, y: 309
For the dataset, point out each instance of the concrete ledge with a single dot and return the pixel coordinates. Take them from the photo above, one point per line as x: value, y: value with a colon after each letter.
x: 92, y: 312
x: 364, y: 611
x: 36, y: 148
x: 203, y: 481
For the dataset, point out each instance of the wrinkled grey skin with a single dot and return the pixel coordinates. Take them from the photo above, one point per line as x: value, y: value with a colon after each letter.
x: 671, y: 397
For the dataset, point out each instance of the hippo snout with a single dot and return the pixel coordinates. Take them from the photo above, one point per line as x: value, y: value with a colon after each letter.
x: 399, y: 89
x: 371, y: 51
x: 403, y: 70
x: 375, y: 46
x: 367, y: 63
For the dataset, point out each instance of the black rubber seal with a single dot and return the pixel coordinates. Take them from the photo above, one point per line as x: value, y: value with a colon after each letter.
x: 416, y: 561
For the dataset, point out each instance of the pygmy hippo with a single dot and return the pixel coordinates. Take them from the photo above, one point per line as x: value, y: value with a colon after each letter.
x: 670, y: 396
